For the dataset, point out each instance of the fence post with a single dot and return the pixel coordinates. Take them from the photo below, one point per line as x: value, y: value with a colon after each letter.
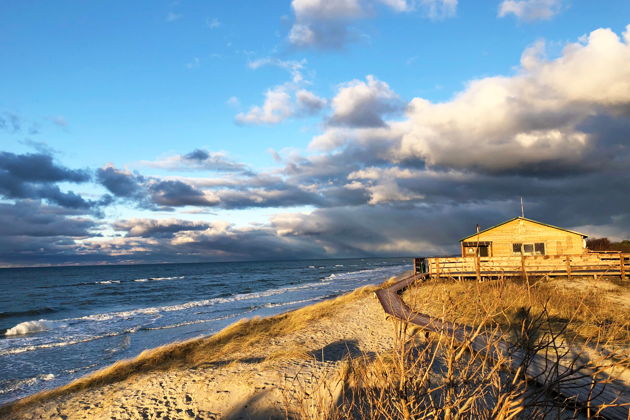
x: 523, y: 266
x: 622, y: 260
x: 478, y: 266
x: 568, y: 258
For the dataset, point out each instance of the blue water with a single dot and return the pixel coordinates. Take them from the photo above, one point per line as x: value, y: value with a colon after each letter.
x: 59, y: 323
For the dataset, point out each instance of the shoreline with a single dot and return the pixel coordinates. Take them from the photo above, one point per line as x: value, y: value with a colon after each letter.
x: 251, y: 358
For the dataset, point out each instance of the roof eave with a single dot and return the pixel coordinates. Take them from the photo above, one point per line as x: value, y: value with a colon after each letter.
x: 523, y: 218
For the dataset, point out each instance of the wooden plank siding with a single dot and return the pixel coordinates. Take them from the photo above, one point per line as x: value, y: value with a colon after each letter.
x: 597, y: 264
x: 520, y: 230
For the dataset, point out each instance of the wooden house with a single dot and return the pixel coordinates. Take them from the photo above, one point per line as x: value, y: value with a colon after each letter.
x: 523, y: 236
x: 522, y: 247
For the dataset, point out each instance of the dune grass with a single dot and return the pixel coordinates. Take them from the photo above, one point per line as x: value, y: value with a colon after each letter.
x: 436, y: 375
x: 582, y: 310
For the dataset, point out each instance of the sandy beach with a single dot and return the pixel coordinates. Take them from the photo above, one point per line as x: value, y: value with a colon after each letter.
x: 251, y: 379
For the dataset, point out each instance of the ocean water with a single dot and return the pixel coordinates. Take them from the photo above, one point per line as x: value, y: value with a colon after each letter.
x: 60, y: 323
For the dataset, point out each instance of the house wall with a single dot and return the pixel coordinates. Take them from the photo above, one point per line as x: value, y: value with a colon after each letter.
x: 557, y: 241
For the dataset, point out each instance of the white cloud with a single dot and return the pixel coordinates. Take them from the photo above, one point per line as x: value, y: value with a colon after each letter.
x: 530, y: 10
x: 363, y: 104
x: 327, y: 24
x: 283, y: 101
x: 308, y: 102
x: 233, y: 101
x: 277, y: 107
x: 383, y: 186
x: 439, y: 9
x: 536, y: 116
x: 213, y: 23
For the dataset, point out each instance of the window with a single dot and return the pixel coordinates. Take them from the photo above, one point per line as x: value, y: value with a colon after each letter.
x: 483, y: 251
x: 537, y: 248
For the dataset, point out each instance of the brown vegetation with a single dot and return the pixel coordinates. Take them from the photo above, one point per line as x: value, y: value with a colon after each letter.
x: 438, y: 376
x: 604, y: 244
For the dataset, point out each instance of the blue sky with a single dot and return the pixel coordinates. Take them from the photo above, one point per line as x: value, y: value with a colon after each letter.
x: 299, y: 127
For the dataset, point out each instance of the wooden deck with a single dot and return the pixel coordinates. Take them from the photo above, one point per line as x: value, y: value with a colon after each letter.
x: 612, y: 401
x: 591, y: 264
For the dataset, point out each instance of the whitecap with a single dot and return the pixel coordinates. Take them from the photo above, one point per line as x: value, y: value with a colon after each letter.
x: 31, y: 327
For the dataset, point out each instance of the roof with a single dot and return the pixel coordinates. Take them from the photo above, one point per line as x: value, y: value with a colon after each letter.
x: 526, y: 219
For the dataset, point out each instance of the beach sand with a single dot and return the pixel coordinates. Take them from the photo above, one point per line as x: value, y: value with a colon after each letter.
x: 253, y: 381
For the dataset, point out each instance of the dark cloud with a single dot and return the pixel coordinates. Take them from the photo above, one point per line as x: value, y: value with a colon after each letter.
x: 197, y: 154
x: 34, y: 176
x: 148, y: 228
x: 38, y: 167
x: 199, y: 160
x: 121, y: 183
x: 177, y: 194
x: 34, y: 233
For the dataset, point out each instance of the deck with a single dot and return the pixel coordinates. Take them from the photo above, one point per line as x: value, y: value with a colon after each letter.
x: 596, y: 264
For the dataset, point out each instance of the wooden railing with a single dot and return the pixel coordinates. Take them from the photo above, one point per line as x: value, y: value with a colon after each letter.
x: 590, y: 264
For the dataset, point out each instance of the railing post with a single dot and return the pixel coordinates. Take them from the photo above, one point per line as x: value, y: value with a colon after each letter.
x: 478, y: 266
x: 568, y: 258
x: 524, y: 271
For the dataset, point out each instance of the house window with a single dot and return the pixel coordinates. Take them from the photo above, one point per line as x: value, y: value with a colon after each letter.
x: 537, y: 248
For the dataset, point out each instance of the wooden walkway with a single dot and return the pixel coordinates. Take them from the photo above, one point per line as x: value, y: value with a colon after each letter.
x: 575, y: 386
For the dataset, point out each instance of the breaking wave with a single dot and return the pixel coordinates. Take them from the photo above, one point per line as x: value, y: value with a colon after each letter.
x: 32, y: 327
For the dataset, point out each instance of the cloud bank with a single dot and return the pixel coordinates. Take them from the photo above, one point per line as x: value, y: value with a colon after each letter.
x: 384, y: 176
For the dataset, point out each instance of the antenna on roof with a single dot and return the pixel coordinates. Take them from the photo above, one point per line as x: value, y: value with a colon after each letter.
x: 522, y: 208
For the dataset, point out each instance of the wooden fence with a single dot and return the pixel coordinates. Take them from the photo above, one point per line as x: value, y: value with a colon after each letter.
x: 590, y: 264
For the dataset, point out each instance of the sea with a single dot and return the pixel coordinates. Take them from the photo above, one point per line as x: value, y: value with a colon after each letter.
x: 60, y: 323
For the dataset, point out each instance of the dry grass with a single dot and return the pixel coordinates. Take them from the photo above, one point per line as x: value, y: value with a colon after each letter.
x: 424, y: 377
x: 233, y: 342
x: 437, y: 375
x: 586, y: 313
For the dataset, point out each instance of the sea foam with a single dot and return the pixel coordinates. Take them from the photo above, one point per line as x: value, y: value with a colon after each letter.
x: 31, y: 327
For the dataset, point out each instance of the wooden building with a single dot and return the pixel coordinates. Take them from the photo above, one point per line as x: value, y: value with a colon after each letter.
x: 522, y: 247
x: 523, y: 236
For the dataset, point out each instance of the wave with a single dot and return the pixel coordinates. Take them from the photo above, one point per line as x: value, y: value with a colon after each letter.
x: 293, y: 302
x: 18, y: 384
x: 31, y: 327
x: 108, y: 282
x: 18, y: 350
x: 39, y: 311
x: 158, y: 278
x: 206, y: 302
x: 196, y: 321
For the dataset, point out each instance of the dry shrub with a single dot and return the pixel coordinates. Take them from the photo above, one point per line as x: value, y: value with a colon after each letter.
x: 432, y: 376
x: 439, y: 375
x: 584, y: 313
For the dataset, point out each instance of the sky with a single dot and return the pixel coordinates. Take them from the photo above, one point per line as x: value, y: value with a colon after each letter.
x: 196, y: 131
